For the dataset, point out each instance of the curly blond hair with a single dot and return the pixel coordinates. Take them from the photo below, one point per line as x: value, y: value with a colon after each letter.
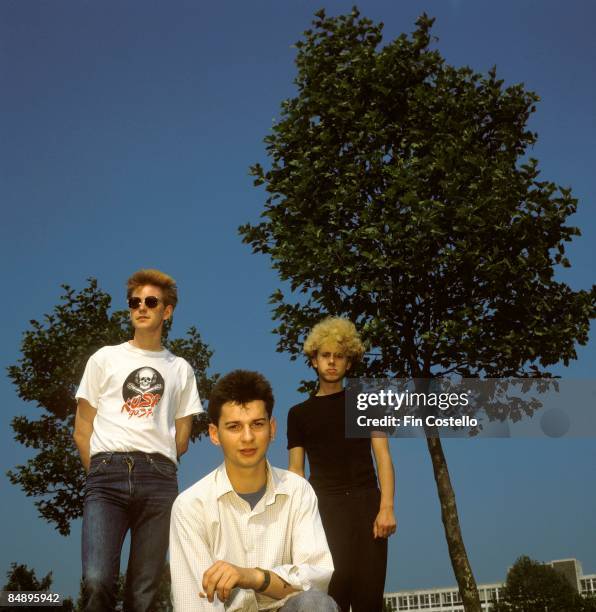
x: 335, y: 329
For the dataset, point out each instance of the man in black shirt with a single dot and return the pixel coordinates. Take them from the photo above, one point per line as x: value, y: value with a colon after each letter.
x: 357, y: 517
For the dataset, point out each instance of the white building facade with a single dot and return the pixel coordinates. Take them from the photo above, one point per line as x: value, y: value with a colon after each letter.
x: 449, y: 600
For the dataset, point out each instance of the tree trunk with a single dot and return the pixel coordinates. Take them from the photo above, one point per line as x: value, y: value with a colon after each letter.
x: 457, y: 550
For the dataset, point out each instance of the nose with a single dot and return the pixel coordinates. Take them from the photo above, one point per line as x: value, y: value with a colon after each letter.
x: 247, y: 433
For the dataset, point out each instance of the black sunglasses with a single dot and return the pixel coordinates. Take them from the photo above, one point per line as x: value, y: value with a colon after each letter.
x: 150, y: 301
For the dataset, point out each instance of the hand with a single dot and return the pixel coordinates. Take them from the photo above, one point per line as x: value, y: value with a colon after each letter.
x: 385, y: 523
x: 222, y: 577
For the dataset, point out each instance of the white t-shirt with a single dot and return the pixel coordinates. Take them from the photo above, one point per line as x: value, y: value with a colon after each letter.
x: 138, y: 395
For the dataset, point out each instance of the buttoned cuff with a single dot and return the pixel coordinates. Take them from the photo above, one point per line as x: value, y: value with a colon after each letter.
x: 304, y: 577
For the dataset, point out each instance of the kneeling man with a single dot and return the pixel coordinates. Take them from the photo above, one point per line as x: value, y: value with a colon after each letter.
x: 248, y: 536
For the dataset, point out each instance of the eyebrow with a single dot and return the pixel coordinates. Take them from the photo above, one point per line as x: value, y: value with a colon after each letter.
x: 239, y: 422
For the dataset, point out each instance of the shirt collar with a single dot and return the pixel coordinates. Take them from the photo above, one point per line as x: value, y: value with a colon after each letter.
x: 276, y: 483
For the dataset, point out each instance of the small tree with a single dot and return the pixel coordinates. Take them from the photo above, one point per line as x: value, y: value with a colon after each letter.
x: 588, y: 604
x: 534, y: 587
x: 400, y: 195
x: 21, y: 578
x: 54, y: 354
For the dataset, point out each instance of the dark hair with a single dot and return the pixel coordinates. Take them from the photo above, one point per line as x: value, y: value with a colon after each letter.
x: 240, y: 387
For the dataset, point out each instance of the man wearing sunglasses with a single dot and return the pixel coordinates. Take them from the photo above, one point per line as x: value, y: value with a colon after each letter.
x: 134, y: 415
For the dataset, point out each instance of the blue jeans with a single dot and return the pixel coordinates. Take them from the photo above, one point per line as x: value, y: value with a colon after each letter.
x: 126, y: 491
x: 310, y: 601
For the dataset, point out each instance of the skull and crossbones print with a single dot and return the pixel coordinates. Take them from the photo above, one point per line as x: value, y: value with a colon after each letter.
x: 146, y: 382
x: 142, y: 391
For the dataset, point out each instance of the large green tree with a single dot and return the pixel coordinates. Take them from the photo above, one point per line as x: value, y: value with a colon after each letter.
x: 53, y: 356
x: 400, y: 194
x: 532, y: 586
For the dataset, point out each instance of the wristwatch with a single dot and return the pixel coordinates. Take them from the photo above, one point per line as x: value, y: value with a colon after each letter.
x: 266, y: 580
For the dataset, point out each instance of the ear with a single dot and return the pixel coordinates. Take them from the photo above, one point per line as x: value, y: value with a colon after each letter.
x: 349, y: 364
x: 213, y: 434
x: 167, y: 312
x: 313, y: 361
x: 273, y: 428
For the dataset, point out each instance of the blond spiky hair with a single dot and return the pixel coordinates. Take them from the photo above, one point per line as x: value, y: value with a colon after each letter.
x: 335, y: 329
x: 157, y: 278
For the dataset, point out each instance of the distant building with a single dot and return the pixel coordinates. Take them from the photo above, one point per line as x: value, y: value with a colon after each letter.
x: 448, y: 599
x: 439, y: 600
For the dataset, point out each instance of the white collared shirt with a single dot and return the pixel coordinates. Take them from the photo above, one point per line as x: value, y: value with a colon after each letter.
x: 283, y: 533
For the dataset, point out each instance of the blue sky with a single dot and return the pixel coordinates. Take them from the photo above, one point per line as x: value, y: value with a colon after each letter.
x: 127, y: 133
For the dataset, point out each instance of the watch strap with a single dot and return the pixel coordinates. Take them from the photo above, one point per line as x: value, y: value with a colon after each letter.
x: 266, y: 580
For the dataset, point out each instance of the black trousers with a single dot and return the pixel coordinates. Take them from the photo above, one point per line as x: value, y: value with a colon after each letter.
x: 360, y: 560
